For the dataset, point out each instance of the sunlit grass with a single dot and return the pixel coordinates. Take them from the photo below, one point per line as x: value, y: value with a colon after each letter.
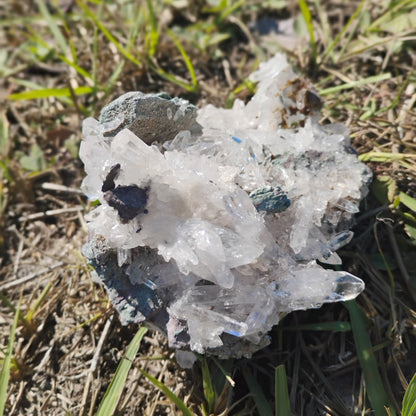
x: 172, y: 396
x: 409, y: 399
x: 138, y: 41
x: 109, y: 402
x: 7, y: 362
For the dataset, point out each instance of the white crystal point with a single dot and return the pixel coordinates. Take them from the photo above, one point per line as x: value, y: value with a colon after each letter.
x: 347, y: 286
x: 211, y: 221
x: 312, y: 286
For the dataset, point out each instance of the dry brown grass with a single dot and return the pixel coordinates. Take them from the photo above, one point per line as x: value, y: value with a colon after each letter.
x: 70, y: 342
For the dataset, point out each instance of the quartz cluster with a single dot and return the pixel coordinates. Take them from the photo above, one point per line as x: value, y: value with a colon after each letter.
x: 213, y: 223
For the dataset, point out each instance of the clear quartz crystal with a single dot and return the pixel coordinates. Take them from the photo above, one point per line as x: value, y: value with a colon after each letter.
x: 213, y: 235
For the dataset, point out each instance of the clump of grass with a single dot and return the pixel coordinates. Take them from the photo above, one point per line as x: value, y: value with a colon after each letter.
x: 62, y: 65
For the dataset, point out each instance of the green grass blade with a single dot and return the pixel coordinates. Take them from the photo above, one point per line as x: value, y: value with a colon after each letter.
x: 366, y: 48
x: 50, y: 92
x: 178, y: 402
x: 398, y: 96
x: 352, y: 35
x: 225, y: 372
x: 217, y: 8
x: 28, y: 84
x: 335, y: 42
x: 282, y: 401
x: 113, y: 393
x: 307, y: 16
x: 175, y: 80
x: 7, y: 303
x: 335, y: 326
x: 374, y: 386
x: 185, y: 57
x: 408, y: 201
x: 56, y: 32
x: 230, y: 10
x: 350, y: 85
x: 10, y: 305
x: 4, y: 169
x: 4, y: 135
x: 63, y: 17
x: 409, y: 399
x: 393, y: 8
x: 5, y: 371
x: 263, y: 406
x: 38, y: 39
x: 323, y: 19
x: 385, y: 156
x: 152, y: 38
x: 33, y: 308
x: 77, y: 68
x: 207, y: 384
x: 114, y: 77
x: 106, y: 32
x: 135, y: 29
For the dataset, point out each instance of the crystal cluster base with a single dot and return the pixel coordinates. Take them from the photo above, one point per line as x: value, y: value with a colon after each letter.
x: 212, y: 223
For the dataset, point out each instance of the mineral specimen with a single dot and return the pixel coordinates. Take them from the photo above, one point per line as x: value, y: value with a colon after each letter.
x: 211, y: 223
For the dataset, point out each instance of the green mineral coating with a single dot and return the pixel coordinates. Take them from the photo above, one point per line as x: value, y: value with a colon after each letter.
x: 271, y: 199
x: 152, y: 117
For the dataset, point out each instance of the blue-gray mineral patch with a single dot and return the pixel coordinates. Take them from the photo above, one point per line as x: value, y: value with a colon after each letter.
x: 270, y: 199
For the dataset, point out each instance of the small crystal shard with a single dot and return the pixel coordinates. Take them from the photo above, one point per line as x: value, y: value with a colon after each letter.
x: 211, y: 221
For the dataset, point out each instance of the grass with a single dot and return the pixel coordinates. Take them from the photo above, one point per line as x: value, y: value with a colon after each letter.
x: 409, y: 399
x: 375, y: 389
x: 7, y: 363
x: 281, y: 395
x: 109, y: 402
x: 62, y: 62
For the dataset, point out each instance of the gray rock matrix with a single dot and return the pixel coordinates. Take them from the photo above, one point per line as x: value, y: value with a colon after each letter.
x: 152, y: 117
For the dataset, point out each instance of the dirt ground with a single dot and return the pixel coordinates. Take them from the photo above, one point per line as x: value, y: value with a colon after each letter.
x: 69, y: 340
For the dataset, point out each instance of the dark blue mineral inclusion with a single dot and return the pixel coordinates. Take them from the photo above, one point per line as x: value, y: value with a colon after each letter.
x: 129, y: 201
x: 109, y: 183
x: 131, y: 301
x: 270, y: 199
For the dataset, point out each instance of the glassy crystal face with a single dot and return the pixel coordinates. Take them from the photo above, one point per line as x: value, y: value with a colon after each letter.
x: 211, y: 221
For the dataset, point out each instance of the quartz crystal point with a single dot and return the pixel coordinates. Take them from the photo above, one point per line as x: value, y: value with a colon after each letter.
x: 210, y: 222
